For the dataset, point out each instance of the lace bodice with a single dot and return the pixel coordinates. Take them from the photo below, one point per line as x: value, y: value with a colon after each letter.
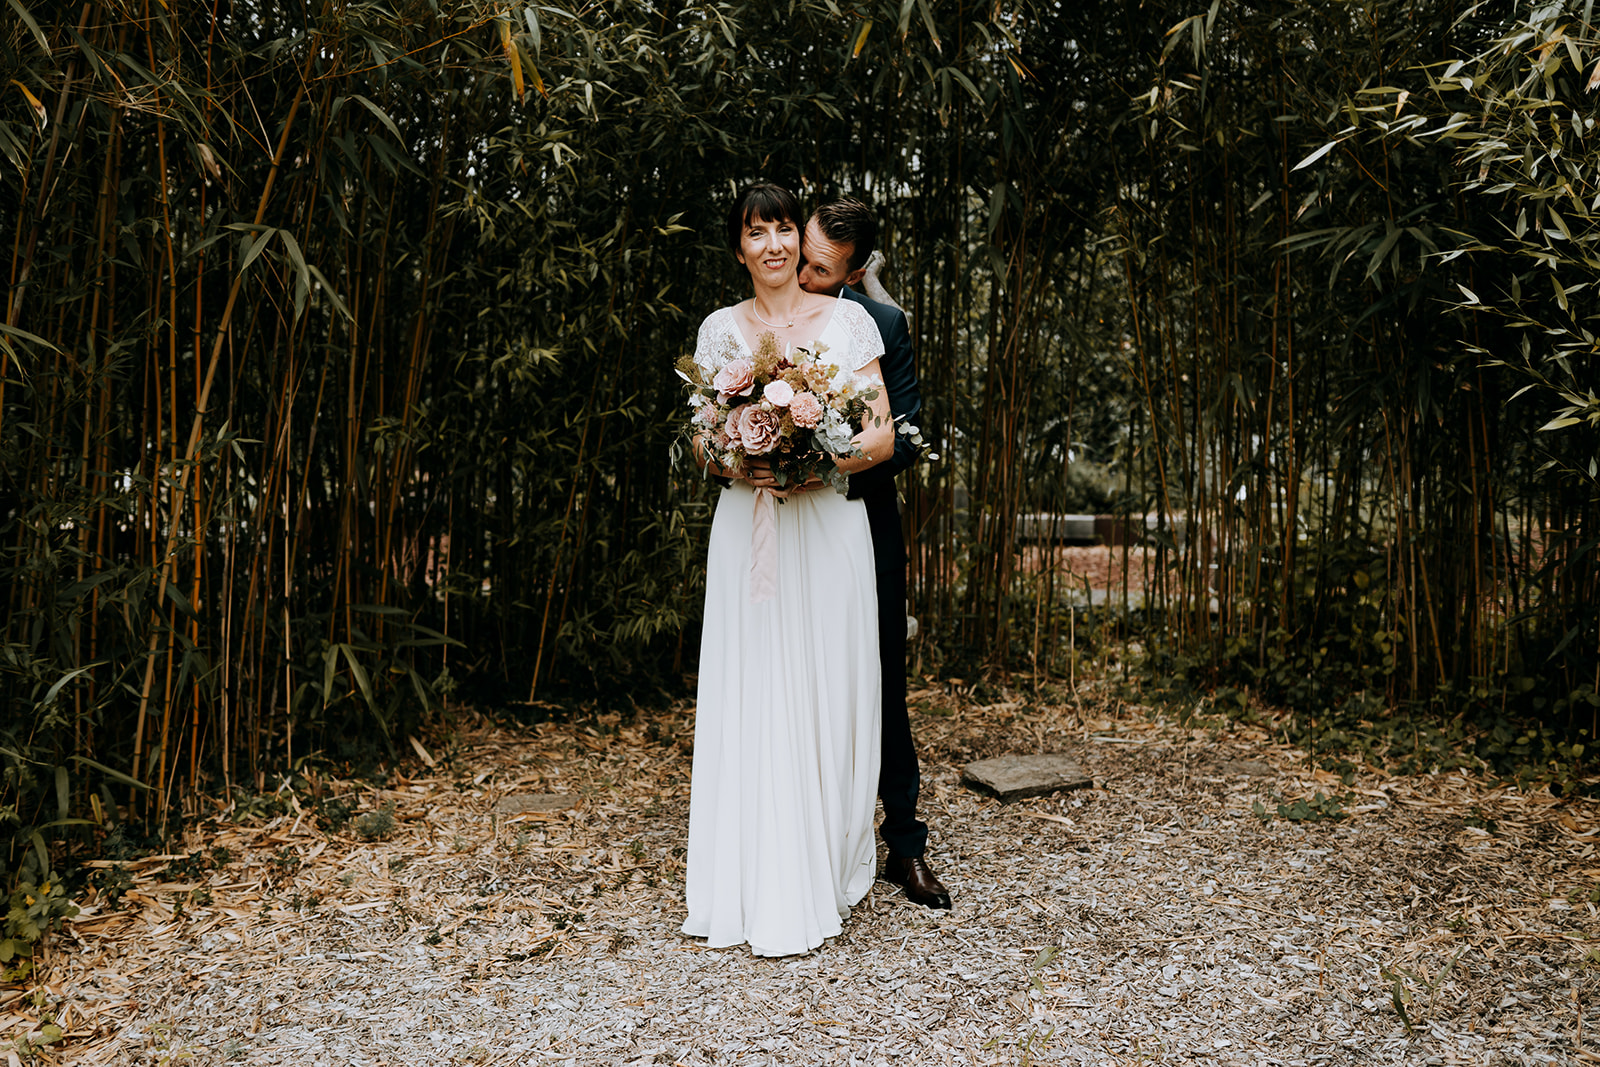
x: 851, y: 336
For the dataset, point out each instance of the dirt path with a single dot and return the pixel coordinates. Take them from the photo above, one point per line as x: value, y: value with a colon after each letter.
x: 1154, y: 919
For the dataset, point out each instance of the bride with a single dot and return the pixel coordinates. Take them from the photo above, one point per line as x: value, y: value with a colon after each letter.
x: 787, y: 738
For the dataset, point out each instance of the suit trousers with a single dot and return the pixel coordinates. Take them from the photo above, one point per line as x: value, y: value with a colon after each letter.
x: 898, y: 779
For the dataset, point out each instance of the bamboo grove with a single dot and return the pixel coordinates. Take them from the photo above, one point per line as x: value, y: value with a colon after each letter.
x: 335, y: 372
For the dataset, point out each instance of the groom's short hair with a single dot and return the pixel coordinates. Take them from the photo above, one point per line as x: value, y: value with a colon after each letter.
x: 849, y: 221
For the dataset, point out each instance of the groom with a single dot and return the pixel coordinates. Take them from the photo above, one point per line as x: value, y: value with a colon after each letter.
x: 838, y: 239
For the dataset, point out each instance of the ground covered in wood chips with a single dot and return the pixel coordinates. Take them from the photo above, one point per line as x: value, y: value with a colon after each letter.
x: 1156, y: 918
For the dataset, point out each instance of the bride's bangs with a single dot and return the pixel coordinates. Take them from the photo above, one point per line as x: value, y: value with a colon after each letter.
x: 763, y: 202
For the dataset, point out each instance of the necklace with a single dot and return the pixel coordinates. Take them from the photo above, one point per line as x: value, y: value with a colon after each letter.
x: 774, y: 325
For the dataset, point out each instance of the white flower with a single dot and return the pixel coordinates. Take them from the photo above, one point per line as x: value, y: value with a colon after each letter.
x: 833, y: 433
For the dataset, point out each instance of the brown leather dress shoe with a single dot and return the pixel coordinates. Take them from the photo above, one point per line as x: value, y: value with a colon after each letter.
x: 920, y: 885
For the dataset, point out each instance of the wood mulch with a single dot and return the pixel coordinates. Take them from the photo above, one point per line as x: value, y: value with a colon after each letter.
x: 1152, y: 919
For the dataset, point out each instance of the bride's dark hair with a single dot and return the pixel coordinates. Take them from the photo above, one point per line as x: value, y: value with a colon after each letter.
x: 765, y: 201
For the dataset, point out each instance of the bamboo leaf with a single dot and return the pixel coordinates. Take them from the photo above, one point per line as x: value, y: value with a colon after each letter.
x: 302, y: 275
x: 55, y: 690
x: 1313, y: 157
x: 514, y: 57
x: 33, y: 27
x: 329, y: 292
x: 383, y: 117
x: 363, y: 680
x: 1567, y: 639
x: 423, y: 754
x: 178, y: 598
x: 24, y: 335
x: 997, y: 206
x: 1383, y: 249
x: 1175, y: 34
x: 419, y: 687
x: 1398, y: 999
x: 966, y: 83
x: 330, y: 665
x: 33, y: 102
x: 1560, y: 423
x: 861, y: 38
x: 927, y: 20
x: 255, y: 248
x: 12, y: 147
x: 532, y: 19
x: 115, y: 775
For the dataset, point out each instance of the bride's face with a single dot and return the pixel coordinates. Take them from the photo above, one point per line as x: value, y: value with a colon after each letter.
x: 770, y: 251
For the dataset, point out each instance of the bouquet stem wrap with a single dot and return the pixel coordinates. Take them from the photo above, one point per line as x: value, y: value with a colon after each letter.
x: 764, y: 549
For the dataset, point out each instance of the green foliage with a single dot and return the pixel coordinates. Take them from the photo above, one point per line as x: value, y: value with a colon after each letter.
x: 1354, y: 294
x: 1316, y: 809
x: 336, y: 368
x: 35, y: 907
x: 376, y: 825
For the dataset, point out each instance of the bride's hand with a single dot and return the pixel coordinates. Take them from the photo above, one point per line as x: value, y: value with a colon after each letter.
x: 758, y: 472
x: 806, y: 486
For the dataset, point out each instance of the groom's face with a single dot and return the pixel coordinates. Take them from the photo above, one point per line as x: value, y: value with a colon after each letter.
x: 825, y: 264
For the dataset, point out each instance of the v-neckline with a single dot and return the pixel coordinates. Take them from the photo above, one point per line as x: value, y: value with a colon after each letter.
x: 738, y: 331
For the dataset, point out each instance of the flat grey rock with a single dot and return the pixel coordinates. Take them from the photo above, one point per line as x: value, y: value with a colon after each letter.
x: 1017, y: 777
x: 522, y: 803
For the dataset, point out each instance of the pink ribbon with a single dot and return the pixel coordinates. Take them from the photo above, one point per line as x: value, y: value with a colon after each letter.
x: 764, y: 549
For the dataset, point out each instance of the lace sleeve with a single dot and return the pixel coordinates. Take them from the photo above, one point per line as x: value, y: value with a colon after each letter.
x: 866, y: 343
x: 717, y: 343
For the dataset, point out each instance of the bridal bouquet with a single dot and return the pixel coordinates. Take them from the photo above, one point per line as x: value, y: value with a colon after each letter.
x: 793, y: 409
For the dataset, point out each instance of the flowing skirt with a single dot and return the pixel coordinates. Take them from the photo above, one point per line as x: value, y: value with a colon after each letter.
x: 787, y: 736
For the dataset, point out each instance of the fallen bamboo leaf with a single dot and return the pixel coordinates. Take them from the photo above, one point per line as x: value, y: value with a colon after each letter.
x: 1045, y: 815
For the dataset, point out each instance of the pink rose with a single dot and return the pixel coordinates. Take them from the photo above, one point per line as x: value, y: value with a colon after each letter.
x: 737, y: 378
x: 778, y: 393
x: 757, y: 429
x: 805, y: 409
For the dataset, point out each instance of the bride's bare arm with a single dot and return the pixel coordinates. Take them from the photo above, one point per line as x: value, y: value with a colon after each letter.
x: 877, y: 438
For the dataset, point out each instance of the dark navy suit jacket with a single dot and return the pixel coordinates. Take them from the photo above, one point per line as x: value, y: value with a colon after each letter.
x: 905, y: 398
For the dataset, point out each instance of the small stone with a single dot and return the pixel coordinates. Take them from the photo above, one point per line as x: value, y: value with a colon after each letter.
x: 526, y: 802
x: 1017, y: 777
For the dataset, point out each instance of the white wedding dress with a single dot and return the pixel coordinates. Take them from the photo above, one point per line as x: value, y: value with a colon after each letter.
x: 786, y: 736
